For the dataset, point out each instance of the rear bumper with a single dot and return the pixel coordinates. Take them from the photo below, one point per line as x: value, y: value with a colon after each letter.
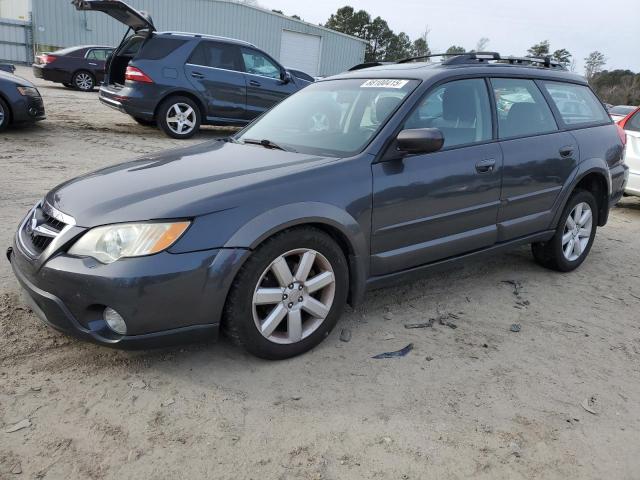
x: 165, y: 299
x: 129, y: 100
x: 51, y: 74
x: 633, y: 184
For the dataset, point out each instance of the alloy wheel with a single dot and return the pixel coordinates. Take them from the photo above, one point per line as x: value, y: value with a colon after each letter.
x: 2, y: 115
x: 298, y: 286
x: 181, y: 118
x: 577, y: 231
x: 84, y: 81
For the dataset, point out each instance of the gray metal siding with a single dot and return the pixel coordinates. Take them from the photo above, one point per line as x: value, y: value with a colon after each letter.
x: 14, y: 41
x: 56, y: 22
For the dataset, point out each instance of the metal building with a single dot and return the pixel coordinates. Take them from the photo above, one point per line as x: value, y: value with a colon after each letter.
x: 296, y: 44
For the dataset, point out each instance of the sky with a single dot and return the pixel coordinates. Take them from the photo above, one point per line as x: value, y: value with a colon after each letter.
x: 580, y: 26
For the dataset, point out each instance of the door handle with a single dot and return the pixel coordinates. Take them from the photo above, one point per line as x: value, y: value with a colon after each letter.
x: 485, y: 166
x: 566, y: 151
x: 197, y: 75
x: 93, y: 64
x: 254, y: 83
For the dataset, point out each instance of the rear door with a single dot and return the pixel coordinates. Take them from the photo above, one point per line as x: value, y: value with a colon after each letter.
x: 214, y: 69
x: 95, y: 61
x: 538, y: 157
x: 264, y: 81
x: 632, y: 155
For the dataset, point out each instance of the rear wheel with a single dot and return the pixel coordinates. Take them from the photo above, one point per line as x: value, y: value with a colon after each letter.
x: 573, y: 239
x: 289, y: 294
x: 179, y: 117
x: 5, y: 115
x: 83, y: 81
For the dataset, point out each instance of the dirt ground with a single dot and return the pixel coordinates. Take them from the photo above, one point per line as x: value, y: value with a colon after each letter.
x: 559, y: 399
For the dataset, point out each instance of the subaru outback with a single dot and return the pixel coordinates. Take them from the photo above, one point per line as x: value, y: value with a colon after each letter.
x: 358, y: 181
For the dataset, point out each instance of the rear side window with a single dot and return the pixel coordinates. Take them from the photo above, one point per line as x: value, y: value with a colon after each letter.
x: 216, y: 55
x: 522, y: 109
x: 100, y: 55
x: 160, y: 47
x: 633, y: 123
x: 576, y: 103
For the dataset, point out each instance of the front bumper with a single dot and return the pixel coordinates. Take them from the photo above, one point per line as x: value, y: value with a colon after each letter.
x: 28, y: 109
x: 165, y: 298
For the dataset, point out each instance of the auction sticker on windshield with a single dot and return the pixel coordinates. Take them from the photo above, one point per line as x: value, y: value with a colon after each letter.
x: 382, y: 83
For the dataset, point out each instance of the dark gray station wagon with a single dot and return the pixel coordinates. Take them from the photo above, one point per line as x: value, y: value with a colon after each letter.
x: 355, y: 182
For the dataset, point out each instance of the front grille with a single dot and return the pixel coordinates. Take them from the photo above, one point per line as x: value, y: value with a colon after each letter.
x: 41, y: 228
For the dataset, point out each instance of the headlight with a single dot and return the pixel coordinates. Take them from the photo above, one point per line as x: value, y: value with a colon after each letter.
x: 29, y: 91
x: 110, y: 243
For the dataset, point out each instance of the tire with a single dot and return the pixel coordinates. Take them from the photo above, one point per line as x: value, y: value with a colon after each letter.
x: 5, y: 115
x: 243, y: 319
x: 552, y: 254
x: 169, y: 109
x: 144, y: 122
x: 83, y: 81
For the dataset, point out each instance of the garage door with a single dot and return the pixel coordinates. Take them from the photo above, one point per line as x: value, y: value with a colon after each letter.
x: 300, y: 51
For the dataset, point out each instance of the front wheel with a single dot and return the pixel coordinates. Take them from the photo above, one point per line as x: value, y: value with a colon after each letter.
x: 573, y: 239
x: 289, y: 294
x: 179, y: 117
x: 4, y: 115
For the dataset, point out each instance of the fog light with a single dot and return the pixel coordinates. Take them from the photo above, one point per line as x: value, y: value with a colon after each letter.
x: 115, y: 321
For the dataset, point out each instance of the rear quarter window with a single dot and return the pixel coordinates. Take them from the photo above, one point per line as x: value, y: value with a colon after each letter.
x: 633, y: 123
x: 160, y: 47
x: 577, y: 104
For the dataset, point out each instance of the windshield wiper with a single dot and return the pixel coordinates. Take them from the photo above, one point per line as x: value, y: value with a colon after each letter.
x: 267, y: 144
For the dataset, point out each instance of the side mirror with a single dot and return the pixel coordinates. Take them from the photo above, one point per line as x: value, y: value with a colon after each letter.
x: 420, y: 140
x: 285, y: 76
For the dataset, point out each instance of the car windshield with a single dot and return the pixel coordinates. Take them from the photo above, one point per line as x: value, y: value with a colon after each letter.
x: 335, y: 118
x: 621, y: 110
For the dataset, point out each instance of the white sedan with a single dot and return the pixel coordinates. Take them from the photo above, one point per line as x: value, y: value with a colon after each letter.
x: 631, y: 126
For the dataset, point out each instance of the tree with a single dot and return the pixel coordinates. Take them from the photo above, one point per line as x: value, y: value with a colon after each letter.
x: 593, y: 64
x: 539, y: 49
x: 379, y: 36
x: 420, y: 48
x: 482, y: 44
x: 347, y: 20
x: 563, y: 57
x: 399, y: 47
x: 455, y: 49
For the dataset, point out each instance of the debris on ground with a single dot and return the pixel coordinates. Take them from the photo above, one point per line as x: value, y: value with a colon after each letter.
x: 167, y: 402
x: 517, y: 286
x: 515, y: 327
x: 345, y: 335
x: 428, y: 324
x: 26, y: 423
x: 16, y: 469
x: 428, y: 359
x: 138, y: 384
x: 445, y: 323
x: 589, y: 404
x: 398, y: 353
x: 388, y: 316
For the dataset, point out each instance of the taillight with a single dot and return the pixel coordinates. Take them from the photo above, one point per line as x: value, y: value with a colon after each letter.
x: 622, y: 134
x: 46, y: 59
x: 136, y: 75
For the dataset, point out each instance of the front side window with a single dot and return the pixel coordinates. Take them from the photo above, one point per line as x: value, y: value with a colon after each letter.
x: 334, y: 118
x: 257, y: 63
x: 460, y: 109
x: 522, y: 109
x: 216, y: 55
x: 576, y: 103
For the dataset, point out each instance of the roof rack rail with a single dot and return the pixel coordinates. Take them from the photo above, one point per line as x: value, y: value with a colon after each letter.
x: 485, y: 57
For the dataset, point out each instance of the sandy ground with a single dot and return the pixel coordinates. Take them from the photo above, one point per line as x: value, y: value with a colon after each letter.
x: 474, y: 401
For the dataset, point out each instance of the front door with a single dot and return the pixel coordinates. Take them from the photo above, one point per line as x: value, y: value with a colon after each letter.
x: 214, y: 69
x: 438, y: 205
x: 632, y: 154
x: 264, y: 81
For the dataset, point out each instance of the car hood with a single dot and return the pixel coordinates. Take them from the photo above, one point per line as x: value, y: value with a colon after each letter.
x: 183, y: 183
x: 19, y: 81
